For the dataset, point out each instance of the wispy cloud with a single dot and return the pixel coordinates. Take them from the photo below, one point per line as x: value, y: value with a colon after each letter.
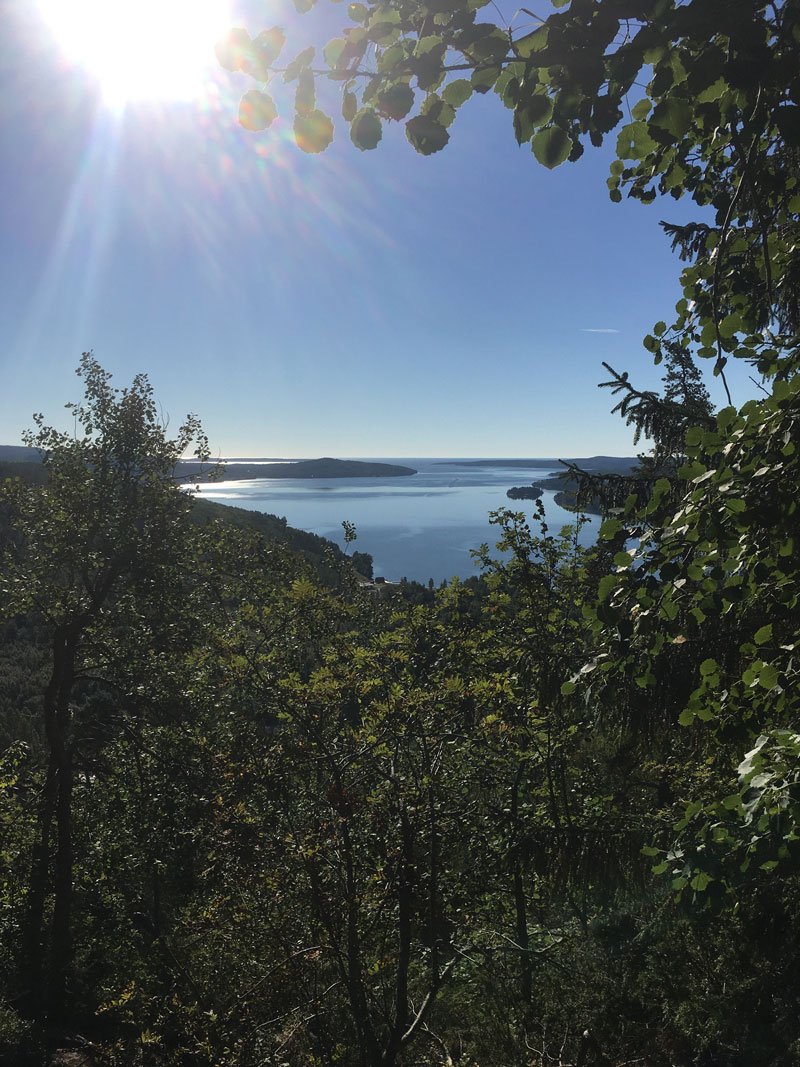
x: 602, y: 329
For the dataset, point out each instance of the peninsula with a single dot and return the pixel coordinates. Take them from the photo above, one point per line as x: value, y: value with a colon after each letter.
x: 326, y: 467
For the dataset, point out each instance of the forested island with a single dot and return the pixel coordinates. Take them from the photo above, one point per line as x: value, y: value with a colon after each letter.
x: 524, y: 492
x: 190, y: 470
x: 301, y: 468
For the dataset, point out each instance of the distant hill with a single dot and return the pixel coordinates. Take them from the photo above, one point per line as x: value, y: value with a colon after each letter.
x: 19, y: 454
x: 302, y: 468
x: 28, y: 470
x: 595, y: 464
x: 192, y: 471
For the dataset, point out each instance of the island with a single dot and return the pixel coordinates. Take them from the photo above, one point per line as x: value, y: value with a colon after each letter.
x: 326, y: 467
x: 563, y: 484
x: 524, y: 492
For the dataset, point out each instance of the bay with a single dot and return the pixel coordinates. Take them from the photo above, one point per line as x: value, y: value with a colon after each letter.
x: 419, y: 527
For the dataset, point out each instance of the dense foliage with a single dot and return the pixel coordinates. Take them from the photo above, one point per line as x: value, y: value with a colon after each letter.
x: 256, y: 811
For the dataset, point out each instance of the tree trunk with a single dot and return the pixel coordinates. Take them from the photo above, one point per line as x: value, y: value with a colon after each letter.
x: 404, y: 902
x: 520, y: 901
x: 36, y: 998
x: 368, y: 1044
x: 61, y: 937
x: 31, y: 999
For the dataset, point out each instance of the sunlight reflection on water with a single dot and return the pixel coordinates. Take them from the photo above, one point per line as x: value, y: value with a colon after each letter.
x: 421, y: 526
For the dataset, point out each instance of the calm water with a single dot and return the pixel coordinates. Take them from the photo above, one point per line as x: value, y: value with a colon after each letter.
x: 419, y: 527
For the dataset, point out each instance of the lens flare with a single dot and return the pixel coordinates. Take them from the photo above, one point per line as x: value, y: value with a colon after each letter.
x: 140, y: 49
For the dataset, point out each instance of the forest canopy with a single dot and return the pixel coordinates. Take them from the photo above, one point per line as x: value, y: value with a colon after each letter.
x: 251, y: 813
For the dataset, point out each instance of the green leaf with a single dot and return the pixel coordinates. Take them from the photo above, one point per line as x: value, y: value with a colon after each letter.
x: 551, y: 146
x: 539, y: 108
x: 641, y: 109
x: 349, y: 106
x: 233, y: 50
x: 365, y: 130
x: 764, y: 634
x: 608, y: 583
x: 768, y: 678
x: 634, y: 141
x: 395, y: 102
x: 306, y: 97
x: 708, y: 667
x: 484, y: 78
x: 333, y: 50
x: 435, y: 108
x: 266, y: 49
x: 457, y: 92
x: 428, y: 44
x: 609, y: 529
x: 313, y: 131
x: 712, y: 92
x: 672, y: 115
x: 701, y: 881
x: 531, y: 42
x: 299, y: 63
x: 357, y: 12
x: 257, y: 110
x: 426, y: 135
x: 568, y: 688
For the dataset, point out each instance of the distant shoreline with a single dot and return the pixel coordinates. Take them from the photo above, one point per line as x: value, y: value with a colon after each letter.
x: 608, y: 464
x: 326, y: 467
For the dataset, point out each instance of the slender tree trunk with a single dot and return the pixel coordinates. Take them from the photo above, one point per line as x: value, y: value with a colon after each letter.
x: 370, y: 1053
x: 37, y: 996
x: 404, y: 902
x: 61, y: 938
x: 31, y: 999
x: 520, y: 901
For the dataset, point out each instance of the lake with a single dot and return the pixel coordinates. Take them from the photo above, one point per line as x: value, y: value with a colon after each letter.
x: 421, y: 526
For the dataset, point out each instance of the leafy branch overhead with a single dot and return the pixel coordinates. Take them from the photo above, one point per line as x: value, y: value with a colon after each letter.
x: 703, y: 98
x: 574, y: 72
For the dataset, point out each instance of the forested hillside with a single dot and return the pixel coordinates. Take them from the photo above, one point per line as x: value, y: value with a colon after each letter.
x: 255, y: 815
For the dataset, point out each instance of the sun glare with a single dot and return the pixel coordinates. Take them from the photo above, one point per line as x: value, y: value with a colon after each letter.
x: 141, y: 49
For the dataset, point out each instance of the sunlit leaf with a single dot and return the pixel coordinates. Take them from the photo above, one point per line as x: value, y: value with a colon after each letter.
x: 233, y: 50
x: 313, y: 131
x: 257, y: 110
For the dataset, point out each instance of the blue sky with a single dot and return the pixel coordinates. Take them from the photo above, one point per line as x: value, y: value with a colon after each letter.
x: 348, y: 304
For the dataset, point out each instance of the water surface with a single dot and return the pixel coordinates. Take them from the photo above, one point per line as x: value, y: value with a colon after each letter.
x: 421, y: 526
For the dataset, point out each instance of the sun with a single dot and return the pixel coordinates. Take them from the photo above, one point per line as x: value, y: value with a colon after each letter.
x: 141, y: 49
